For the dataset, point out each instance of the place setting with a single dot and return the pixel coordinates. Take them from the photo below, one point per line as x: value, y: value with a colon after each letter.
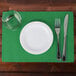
x: 37, y: 36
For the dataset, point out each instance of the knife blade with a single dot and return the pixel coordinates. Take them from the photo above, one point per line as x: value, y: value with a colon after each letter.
x: 65, y: 36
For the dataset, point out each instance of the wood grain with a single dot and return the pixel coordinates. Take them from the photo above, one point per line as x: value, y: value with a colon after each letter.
x: 37, y: 74
x: 24, y: 67
x: 27, y: 1
x: 39, y: 67
x: 3, y: 7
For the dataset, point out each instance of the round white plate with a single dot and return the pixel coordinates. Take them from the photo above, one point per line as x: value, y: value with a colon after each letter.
x: 36, y: 37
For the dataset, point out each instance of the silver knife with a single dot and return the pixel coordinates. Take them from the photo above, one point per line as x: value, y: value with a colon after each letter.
x: 65, y: 36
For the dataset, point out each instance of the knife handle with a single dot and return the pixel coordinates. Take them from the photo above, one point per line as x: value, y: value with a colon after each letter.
x: 64, y: 58
x: 64, y: 50
x: 58, y: 51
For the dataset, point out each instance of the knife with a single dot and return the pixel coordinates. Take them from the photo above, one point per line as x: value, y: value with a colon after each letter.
x: 65, y: 36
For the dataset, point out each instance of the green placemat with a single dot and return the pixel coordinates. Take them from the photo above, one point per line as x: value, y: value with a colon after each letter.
x: 11, y: 47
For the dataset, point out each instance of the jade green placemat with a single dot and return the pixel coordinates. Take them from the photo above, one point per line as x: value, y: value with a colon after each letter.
x: 11, y: 47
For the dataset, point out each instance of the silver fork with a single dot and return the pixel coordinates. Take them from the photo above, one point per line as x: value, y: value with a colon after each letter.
x: 57, y: 30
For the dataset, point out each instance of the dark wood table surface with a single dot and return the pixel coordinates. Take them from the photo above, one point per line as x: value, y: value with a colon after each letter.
x: 37, y: 5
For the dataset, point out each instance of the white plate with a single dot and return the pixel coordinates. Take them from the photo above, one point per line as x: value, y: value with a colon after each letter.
x: 36, y: 37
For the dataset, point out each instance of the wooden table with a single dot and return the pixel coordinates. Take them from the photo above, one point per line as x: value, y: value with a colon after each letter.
x: 38, y: 5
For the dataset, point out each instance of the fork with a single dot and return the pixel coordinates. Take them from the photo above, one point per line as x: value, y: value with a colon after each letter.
x: 57, y: 30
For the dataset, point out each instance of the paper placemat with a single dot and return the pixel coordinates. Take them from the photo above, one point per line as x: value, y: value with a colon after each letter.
x: 12, y: 50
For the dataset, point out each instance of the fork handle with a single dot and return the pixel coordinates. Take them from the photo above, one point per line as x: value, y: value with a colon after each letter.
x: 58, y: 51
